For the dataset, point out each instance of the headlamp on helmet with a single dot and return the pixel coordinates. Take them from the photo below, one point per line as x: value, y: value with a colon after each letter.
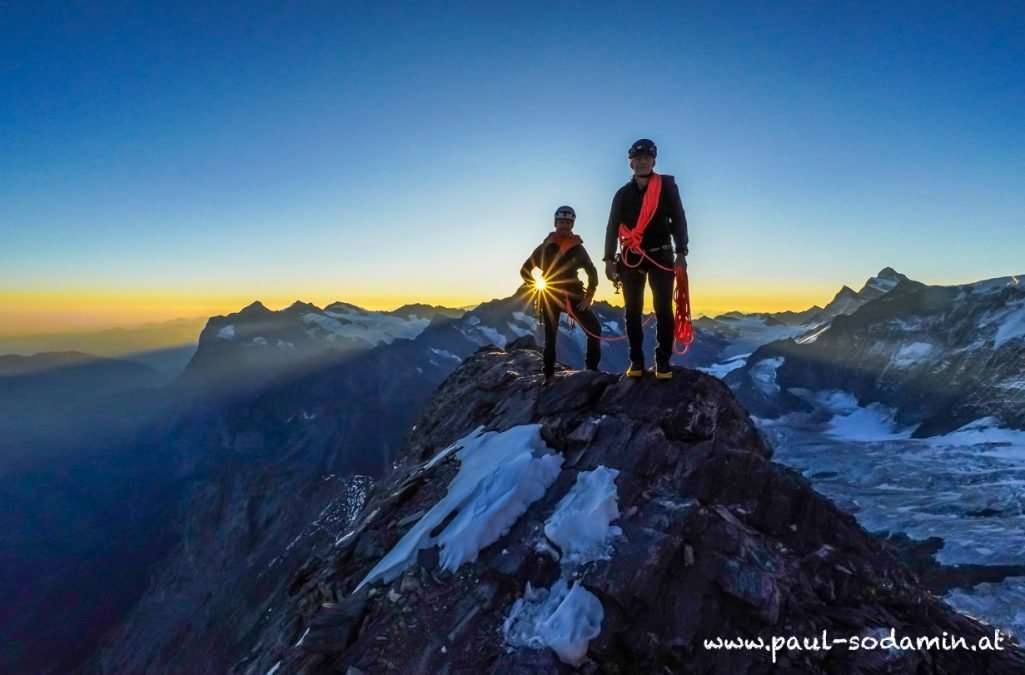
x: 644, y: 146
x: 566, y: 212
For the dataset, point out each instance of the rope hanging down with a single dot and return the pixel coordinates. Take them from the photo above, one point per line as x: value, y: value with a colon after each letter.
x: 683, y: 329
x: 572, y: 315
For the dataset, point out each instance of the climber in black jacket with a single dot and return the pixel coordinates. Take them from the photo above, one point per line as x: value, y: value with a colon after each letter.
x: 646, y: 214
x: 559, y: 257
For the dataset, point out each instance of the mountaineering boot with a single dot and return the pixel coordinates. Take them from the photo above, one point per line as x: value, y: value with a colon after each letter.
x: 663, y: 371
x: 636, y: 369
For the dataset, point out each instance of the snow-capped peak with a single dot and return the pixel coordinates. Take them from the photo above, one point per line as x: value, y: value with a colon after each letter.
x: 882, y: 283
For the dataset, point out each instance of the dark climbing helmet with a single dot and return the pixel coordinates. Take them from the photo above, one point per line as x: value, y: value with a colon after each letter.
x: 565, y: 212
x: 644, y: 146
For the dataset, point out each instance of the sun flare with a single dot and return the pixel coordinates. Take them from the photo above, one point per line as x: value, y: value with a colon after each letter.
x: 539, y: 281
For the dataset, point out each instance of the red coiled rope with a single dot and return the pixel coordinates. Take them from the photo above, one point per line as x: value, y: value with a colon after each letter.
x: 630, y: 240
x: 683, y: 328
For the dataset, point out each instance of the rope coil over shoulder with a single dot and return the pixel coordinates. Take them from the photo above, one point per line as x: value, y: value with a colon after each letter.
x: 630, y: 241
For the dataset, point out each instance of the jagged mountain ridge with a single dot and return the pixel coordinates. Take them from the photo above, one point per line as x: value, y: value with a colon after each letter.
x: 742, y: 333
x: 716, y: 540
x: 249, y: 347
x: 941, y: 356
x: 846, y: 301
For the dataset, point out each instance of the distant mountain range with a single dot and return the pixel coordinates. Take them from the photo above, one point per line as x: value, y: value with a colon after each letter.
x: 846, y: 301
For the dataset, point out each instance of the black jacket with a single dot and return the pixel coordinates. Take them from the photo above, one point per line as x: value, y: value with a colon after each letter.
x: 560, y: 272
x: 669, y: 219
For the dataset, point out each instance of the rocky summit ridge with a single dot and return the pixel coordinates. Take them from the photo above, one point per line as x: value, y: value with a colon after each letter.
x: 702, y: 537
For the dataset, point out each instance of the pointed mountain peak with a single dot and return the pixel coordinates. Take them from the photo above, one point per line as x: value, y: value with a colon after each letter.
x: 890, y: 274
x: 255, y: 307
x: 882, y: 283
x: 300, y: 306
x: 845, y: 301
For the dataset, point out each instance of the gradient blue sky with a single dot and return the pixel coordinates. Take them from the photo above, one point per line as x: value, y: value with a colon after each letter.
x: 166, y: 160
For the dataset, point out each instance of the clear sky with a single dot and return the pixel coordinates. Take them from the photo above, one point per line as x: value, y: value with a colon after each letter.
x: 161, y: 160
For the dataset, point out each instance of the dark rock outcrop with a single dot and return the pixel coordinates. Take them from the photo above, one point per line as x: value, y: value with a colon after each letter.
x: 717, y: 541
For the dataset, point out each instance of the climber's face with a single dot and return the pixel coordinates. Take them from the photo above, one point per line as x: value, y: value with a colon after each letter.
x: 563, y: 226
x: 642, y: 165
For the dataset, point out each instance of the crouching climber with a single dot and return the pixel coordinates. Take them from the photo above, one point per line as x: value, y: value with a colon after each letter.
x: 559, y: 257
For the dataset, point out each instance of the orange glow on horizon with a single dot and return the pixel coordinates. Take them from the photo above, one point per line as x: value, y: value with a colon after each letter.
x: 36, y: 312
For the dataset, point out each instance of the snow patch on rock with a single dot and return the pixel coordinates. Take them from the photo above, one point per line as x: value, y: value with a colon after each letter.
x: 519, y: 330
x: 564, y: 618
x: 723, y: 369
x: 445, y: 354
x: 853, y: 422
x: 763, y: 374
x: 501, y: 475
x: 567, y: 616
x: 910, y: 354
x: 492, y: 335
x: 581, y: 524
x: 812, y: 337
x: 1012, y: 327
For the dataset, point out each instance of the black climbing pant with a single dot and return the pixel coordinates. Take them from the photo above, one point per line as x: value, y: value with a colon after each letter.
x: 661, y: 282
x: 552, y: 308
